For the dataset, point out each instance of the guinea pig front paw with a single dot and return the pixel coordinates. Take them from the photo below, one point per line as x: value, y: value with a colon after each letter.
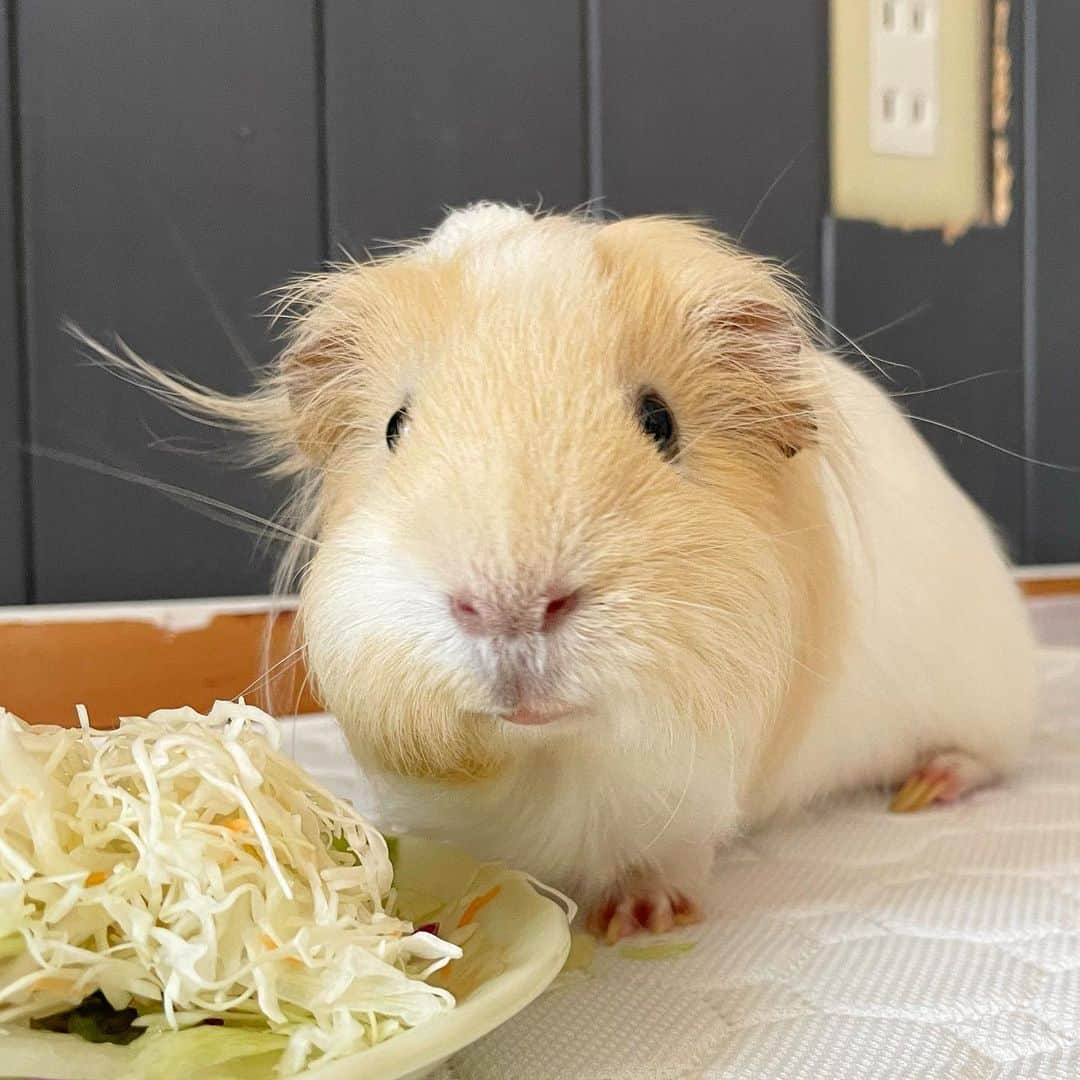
x: 641, y: 907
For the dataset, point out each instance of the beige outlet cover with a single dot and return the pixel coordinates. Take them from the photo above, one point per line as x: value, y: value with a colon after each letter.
x: 947, y: 189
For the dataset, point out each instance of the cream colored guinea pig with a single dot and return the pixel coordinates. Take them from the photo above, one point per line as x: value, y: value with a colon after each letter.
x: 612, y: 561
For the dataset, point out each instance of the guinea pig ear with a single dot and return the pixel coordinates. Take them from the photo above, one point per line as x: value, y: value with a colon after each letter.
x: 763, y: 343
x: 314, y: 373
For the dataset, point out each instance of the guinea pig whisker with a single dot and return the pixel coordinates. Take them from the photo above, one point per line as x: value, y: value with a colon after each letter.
x: 692, y: 757
x: 913, y: 313
x: 877, y: 363
x: 689, y: 604
x: 267, y: 674
x: 993, y: 445
x: 773, y: 186
x: 808, y: 669
x: 184, y: 496
x: 955, y: 382
x: 300, y: 697
x: 724, y: 426
x: 784, y: 653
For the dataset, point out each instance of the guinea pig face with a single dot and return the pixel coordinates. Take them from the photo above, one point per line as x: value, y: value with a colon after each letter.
x: 549, y: 453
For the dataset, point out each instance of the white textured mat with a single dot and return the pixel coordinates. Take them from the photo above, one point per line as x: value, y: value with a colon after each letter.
x: 852, y: 944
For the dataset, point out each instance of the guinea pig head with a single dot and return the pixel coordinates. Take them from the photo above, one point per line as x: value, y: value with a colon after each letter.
x: 549, y: 454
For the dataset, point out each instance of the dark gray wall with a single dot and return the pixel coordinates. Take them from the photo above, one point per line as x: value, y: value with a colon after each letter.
x: 719, y: 110
x: 960, y: 311
x: 177, y: 160
x: 430, y: 105
x: 13, y: 556
x: 169, y: 178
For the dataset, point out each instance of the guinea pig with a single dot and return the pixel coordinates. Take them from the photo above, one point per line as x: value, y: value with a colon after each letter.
x: 610, y: 560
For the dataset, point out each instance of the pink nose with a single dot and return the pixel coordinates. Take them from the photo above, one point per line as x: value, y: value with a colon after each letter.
x: 494, y: 616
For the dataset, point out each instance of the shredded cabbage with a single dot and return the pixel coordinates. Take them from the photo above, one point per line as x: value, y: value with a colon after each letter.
x: 182, y: 865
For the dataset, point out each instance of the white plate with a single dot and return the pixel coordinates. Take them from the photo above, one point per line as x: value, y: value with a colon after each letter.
x: 521, y: 942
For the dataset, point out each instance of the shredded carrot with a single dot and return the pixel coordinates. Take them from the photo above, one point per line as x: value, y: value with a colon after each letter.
x: 443, y: 976
x: 269, y: 943
x: 237, y: 824
x: 98, y: 877
x: 474, y: 907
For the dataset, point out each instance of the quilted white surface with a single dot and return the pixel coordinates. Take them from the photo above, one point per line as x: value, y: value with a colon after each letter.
x: 853, y: 943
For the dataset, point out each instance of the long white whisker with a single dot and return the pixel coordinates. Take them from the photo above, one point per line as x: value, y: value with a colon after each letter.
x: 682, y: 798
x: 955, y: 382
x: 772, y: 187
x: 266, y: 676
x: 189, y: 259
x: 875, y: 362
x: 184, y: 495
x: 914, y: 313
x: 995, y: 446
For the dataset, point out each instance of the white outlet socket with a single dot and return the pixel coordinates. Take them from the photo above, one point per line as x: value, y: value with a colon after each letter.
x: 904, y: 105
x: 909, y: 111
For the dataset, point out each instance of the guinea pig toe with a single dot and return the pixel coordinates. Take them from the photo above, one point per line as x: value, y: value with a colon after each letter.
x: 684, y: 911
x: 943, y: 779
x: 654, y: 911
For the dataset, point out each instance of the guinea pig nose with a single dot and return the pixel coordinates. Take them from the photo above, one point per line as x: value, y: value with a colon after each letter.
x: 491, y: 616
x: 466, y: 610
x: 556, y: 610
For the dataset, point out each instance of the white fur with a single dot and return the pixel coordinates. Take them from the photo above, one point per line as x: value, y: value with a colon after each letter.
x: 923, y: 646
x: 938, y: 656
x: 479, y: 222
x: 582, y: 813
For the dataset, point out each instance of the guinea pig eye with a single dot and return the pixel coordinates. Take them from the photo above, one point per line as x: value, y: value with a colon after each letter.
x: 396, y: 427
x: 658, y: 423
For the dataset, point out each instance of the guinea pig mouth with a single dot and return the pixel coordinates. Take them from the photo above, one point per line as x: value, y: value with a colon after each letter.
x: 525, y: 696
x: 537, y: 717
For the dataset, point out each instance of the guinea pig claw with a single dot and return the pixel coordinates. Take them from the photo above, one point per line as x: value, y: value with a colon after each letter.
x: 685, y: 912
x: 622, y: 925
x: 942, y: 779
x: 916, y: 793
x: 654, y: 910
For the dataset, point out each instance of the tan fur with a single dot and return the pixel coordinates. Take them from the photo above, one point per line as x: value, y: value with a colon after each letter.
x: 653, y: 303
x: 591, y: 315
x: 739, y: 644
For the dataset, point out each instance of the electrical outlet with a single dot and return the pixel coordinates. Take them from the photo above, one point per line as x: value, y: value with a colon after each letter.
x: 909, y: 111
x: 903, y: 77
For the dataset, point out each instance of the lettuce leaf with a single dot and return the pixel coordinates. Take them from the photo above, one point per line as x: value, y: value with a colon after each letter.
x: 221, y: 1052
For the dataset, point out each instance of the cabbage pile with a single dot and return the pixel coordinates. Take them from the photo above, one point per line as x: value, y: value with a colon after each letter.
x: 180, y: 871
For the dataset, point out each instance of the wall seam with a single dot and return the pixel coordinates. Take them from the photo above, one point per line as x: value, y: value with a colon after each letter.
x: 826, y: 223
x: 22, y: 304
x: 827, y: 241
x: 593, y: 105
x: 322, y: 163
x: 1029, y: 274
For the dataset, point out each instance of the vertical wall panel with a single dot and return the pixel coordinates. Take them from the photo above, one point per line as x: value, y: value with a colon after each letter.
x: 956, y: 311
x: 1054, y: 260
x: 171, y: 176
x: 12, y: 552
x: 705, y: 106
x: 440, y: 104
